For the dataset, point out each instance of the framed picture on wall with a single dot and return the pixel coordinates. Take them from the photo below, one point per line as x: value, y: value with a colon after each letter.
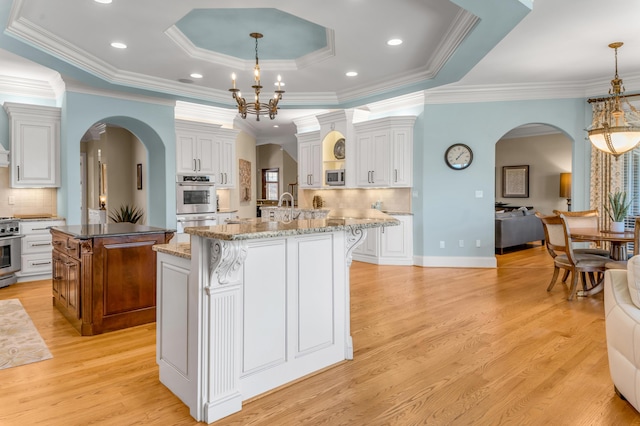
x: 515, y: 181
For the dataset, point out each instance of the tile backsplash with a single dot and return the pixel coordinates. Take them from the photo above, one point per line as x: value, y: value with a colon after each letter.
x: 397, y: 199
x: 25, y: 200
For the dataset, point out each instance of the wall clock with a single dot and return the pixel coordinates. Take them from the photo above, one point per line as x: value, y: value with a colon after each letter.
x: 458, y: 156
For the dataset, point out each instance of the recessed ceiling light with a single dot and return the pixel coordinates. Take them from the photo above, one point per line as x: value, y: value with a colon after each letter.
x: 118, y: 45
x: 275, y: 125
x: 196, y: 75
x: 103, y: 1
x: 394, y: 42
x: 351, y: 74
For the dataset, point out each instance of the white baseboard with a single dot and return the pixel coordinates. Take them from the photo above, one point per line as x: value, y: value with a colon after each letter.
x: 455, y: 262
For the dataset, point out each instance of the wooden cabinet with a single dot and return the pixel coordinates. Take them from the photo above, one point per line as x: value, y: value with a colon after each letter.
x: 106, y: 281
x: 36, y: 260
x: 384, y: 152
x: 309, y: 160
x: 66, y: 284
x: 206, y: 149
x: 35, y: 145
x: 389, y: 245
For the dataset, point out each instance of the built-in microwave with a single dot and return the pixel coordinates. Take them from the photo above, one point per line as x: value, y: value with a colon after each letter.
x: 334, y: 177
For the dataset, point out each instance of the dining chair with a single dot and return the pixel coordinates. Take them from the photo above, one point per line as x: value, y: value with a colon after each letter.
x: 580, y: 266
x: 585, y: 219
x: 622, y: 264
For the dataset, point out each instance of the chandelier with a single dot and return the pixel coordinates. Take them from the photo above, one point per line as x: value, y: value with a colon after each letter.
x: 256, y: 107
x: 615, y: 128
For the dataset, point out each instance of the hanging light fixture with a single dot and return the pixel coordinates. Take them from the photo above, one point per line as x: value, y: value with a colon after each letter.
x: 256, y: 107
x: 615, y: 128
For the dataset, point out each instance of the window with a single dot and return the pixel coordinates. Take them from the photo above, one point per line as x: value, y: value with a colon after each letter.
x: 270, y: 184
x: 631, y: 185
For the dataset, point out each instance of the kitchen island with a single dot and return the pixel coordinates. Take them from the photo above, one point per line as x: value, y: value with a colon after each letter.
x: 104, y: 275
x: 250, y: 306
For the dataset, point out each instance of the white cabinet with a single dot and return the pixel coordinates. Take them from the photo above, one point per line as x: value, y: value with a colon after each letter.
x: 384, y: 150
x: 390, y: 245
x: 195, y: 148
x: 35, y: 145
x: 36, y: 249
x: 372, y: 156
x: 206, y: 149
x: 226, y: 159
x: 309, y: 160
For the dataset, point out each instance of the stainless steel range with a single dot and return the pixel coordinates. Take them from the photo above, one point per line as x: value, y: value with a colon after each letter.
x: 10, y: 248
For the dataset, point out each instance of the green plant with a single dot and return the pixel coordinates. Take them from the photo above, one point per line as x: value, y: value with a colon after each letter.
x: 126, y: 213
x: 618, y: 208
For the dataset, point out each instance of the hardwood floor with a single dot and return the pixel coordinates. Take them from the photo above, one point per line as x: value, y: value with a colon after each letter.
x: 433, y: 346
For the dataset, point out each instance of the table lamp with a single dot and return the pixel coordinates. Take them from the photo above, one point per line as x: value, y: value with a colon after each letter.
x: 565, y: 188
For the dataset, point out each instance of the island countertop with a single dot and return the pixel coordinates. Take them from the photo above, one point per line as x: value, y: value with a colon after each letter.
x: 337, y: 219
x: 85, y: 232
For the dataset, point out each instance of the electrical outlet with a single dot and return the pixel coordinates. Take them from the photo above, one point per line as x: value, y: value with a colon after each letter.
x: 441, y: 244
x: 479, y: 194
x: 12, y: 199
x: 461, y: 243
x: 477, y: 243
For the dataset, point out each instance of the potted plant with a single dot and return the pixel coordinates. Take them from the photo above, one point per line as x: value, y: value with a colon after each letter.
x: 618, y: 210
x: 126, y: 213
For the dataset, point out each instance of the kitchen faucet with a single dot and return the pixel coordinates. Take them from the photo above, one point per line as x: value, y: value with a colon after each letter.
x: 290, y: 205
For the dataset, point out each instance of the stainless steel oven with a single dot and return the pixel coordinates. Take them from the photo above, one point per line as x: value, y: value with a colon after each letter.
x: 10, y: 251
x: 195, y: 194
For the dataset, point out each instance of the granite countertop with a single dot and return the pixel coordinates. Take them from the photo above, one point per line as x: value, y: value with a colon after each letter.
x: 36, y: 218
x: 338, y: 219
x: 175, y: 249
x: 85, y: 232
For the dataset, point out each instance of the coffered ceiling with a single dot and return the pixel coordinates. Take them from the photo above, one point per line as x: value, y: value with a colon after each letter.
x: 456, y: 51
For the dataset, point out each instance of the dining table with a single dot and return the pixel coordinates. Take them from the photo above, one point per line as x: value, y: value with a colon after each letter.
x: 617, y: 240
x: 617, y: 248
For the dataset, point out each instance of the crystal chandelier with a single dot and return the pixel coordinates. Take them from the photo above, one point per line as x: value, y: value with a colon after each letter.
x: 615, y: 128
x: 256, y: 107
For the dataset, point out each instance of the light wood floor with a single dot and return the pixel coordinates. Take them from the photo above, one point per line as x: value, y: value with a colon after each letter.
x: 433, y: 346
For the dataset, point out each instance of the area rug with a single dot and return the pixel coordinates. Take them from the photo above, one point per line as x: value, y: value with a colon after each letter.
x: 20, y: 342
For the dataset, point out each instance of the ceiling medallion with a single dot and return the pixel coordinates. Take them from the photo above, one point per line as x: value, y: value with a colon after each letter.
x: 615, y: 128
x: 256, y: 107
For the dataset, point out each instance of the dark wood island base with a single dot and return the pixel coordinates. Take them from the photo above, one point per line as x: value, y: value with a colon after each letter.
x: 104, y: 276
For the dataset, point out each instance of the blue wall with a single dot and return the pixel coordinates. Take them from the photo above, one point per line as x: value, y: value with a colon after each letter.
x: 152, y: 123
x: 445, y: 204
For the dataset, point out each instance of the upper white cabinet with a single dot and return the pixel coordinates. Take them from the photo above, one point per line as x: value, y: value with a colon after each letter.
x: 206, y: 149
x: 372, y: 158
x: 35, y: 145
x: 226, y: 164
x: 384, y: 152
x: 309, y: 160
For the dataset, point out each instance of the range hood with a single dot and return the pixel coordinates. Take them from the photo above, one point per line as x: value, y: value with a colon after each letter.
x: 4, y: 157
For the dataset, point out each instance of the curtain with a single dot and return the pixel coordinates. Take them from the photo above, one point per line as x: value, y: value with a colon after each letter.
x: 607, y: 175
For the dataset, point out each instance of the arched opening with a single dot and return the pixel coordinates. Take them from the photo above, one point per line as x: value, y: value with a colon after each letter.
x: 114, y: 164
x: 547, y: 152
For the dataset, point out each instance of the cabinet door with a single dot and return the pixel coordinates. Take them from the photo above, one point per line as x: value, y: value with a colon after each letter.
x: 369, y: 246
x: 310, y: 166
x: 401, y: 158
x: 186, y: 153
x: 35, y: 150
x: 397, y: 241
x: 72, y: 270
x: 372, y: 151
x: 58, y: 271
x: 227, y: 164
x: 207, y: 154
x: 381, y: 159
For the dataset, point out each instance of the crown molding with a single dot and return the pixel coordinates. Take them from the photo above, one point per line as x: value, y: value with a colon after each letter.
x: 77, y: 87
x: 205, y: 113
x: 462, y: 24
